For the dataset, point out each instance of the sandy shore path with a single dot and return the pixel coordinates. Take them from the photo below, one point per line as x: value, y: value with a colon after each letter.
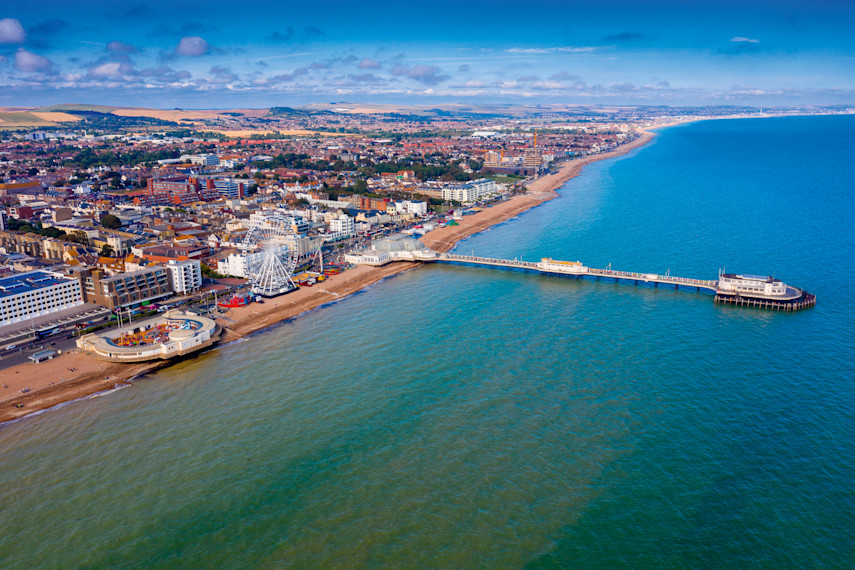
x: 76, y: 375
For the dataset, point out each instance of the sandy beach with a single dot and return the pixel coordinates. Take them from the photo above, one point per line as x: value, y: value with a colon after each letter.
x: 76, y: 375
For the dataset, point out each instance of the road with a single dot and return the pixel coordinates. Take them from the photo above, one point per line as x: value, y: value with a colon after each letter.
x: 21, y: 353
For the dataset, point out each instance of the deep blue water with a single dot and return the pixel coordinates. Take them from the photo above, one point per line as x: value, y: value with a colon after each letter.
x: 454, y: 416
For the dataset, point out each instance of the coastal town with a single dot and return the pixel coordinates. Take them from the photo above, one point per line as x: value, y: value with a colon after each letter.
x: 115, y: 227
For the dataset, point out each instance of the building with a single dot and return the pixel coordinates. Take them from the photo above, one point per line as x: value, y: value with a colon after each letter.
x: 61, y: 214
x: 287, y: 222
x: 186, y: 276
x: 28, y: 295
x: 173, y: 334
x: 235, y: 265
x: 11, y: 188
x: 376, y: 258
x: 126, y: 289
x: 342, y: 226
x: 229, y: 188
x: 162, y: 253
x: 398, y: 247
x: 751, y: 285
x: 179, y: 190
x: 409, y: 207
x: 368, y: 203
x: 33, y: 245
x: 21, y: 212
x: 470, y: 191
x: 203, y: 159
x: 532, y: 158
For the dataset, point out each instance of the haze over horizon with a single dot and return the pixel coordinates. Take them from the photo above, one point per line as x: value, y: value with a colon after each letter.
x: 218, y: 54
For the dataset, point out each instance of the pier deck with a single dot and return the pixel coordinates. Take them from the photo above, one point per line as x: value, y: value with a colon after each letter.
x: 799, y: 300
x: 709, y: 285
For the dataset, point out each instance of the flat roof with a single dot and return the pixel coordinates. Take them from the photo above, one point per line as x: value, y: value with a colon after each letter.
x: 42, y: 354
x: 30, y: 281
x: 765, y: 278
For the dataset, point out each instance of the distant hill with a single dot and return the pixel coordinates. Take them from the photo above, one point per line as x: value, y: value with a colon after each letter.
x: 75, y: 107
x: 288, y: 112
x: 26, y: 119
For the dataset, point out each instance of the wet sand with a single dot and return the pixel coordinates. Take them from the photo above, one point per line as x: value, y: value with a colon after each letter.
x: 76, y: 375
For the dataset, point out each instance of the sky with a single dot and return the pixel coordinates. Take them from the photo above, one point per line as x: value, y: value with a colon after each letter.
x: 230, y: 54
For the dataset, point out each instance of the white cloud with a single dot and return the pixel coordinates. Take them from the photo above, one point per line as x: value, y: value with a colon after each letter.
x: 744, y: 40
x: 547, y: 85
x: 11, y: 31
x: 192, y: 46
x: 109, y: 69
x: 28, y: 61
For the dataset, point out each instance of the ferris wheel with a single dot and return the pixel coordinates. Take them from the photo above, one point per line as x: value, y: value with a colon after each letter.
x: 271, y: 258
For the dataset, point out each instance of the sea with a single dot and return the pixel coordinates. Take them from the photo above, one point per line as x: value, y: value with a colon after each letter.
x: 469, y: 417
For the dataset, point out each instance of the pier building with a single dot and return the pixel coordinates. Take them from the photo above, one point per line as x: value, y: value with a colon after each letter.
x: 399, y: 247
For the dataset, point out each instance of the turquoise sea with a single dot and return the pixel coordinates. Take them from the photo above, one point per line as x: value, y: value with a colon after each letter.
x: 463, y: 417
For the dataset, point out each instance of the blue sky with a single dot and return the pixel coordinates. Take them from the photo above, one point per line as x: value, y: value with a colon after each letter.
x: 219, y: 54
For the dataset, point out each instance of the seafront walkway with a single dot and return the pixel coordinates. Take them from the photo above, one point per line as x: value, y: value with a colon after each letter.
x: 579, y: 271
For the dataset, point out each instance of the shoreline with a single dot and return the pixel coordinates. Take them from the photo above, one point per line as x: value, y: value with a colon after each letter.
x: 88, y: 376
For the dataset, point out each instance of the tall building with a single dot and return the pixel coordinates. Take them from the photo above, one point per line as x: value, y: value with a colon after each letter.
x: 343, y: 226
x: 35, y: 294
x: 186, y: 276
x: 229, y: 188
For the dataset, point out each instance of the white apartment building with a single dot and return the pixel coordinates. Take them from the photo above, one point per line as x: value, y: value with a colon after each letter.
x: 469, y: 192
x: 186, y: 276
x: 415, y: 208
x: 342, y: 226
x: 36, y: 293
x: 237, y: 264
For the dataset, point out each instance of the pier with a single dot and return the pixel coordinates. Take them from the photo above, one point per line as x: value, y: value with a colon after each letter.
x: 778, y: 296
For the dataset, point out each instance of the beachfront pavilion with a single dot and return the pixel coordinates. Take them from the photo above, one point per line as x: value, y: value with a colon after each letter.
x: 175, y: 333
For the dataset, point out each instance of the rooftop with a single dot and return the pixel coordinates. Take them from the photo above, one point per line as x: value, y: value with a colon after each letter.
x: 26, y: 282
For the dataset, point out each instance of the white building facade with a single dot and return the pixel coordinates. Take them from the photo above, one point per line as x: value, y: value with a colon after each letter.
x: 469, y: 192
x: 36, y: 293
x: 342, y: 227
x: 186, y: 276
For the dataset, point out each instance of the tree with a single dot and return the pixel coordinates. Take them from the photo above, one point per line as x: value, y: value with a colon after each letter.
x: 360, y: 186
x: 78, y: 236
x: 210, y: 273
x: 111, y: 222
x: 106, y: 250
